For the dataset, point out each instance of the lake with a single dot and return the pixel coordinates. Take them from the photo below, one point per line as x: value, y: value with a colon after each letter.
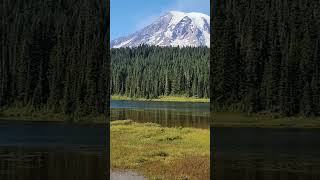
x: 169, y: 114
x: 266, y: 153
x: 51, y: 150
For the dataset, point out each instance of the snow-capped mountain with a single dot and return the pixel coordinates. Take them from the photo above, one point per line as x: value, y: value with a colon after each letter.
x: 172, y: 29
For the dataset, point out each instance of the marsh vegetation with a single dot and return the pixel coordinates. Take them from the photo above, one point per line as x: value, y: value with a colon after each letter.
x: 160, y: 152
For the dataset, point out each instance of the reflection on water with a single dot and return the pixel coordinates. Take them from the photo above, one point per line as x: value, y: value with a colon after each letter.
x: 182, y: 106
x: 170, y: 114
x: 26, y: 164
x: 53, y: 151
x: 243, y: 167
x: 277, y: 154
x: 169, y: 118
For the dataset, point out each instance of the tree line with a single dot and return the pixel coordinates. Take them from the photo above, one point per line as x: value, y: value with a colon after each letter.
x: 54, y: 55
x: 266, y: 56
x: 151, y: 71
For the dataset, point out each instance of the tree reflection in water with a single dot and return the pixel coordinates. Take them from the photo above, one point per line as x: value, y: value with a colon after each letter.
x: 22, y: 164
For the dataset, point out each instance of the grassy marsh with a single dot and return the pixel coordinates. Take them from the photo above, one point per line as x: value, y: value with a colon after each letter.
x: 160, y: 152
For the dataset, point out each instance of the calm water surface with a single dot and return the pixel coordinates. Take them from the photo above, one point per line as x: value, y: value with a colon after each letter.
x: 262, y: 153
x: 170, y: 114
x: 53, y: 151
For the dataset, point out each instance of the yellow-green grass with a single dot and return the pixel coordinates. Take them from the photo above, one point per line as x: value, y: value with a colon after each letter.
x: 227, y: 119
x: 159, y: 152
x: 164, y: 99
x: 28, y: 113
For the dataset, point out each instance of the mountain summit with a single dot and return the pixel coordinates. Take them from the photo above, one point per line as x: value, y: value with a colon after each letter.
x: 172, y: 29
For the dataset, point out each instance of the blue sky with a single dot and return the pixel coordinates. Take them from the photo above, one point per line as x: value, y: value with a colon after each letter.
x: 127, y: 16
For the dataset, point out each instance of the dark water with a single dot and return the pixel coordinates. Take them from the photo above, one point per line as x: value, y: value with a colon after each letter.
x: 261, y: 153
x: 53, y: 151
x: 170, y: 114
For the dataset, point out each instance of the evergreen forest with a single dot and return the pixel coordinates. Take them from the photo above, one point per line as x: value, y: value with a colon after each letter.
x: 54, y: 55
x: 151, y: 71
x: 265, y: 56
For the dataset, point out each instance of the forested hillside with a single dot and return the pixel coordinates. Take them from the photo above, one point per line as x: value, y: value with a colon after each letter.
x: 53, y: 55
x: 150, y: 71
x: 266, y: 56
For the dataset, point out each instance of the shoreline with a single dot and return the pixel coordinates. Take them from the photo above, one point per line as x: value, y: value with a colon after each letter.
x: 35, y: 120
x: 220, y: 119
x: 264, y: 126
x: 241, y: 120
x: 27, y: 115
x: 278, y: 124
x: 163, y: 99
